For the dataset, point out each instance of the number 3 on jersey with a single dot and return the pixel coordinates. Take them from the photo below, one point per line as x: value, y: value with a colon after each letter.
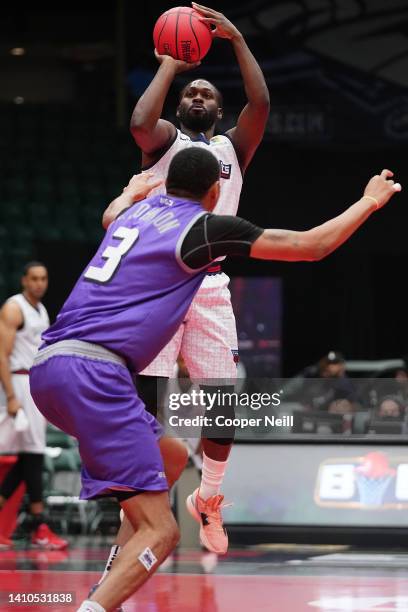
x: 113, y: 255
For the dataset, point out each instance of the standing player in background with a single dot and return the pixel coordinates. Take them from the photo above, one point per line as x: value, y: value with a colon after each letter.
x: 207, y: 339
x: 23, y: 319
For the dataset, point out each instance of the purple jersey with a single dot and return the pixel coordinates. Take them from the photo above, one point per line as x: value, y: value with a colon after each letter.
x: 135, y: 292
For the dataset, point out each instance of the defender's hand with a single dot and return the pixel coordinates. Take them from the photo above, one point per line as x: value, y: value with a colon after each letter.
x: 223, y: 26
x: 139, y: 186
x: 13, y: 406
x: 177, y: 65
x: 381, y: 187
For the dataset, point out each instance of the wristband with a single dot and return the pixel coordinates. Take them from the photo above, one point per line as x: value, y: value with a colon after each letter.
x: 373, y: 199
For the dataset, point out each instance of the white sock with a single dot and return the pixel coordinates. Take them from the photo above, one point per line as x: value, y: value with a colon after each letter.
x: 90, y: 606
x: 112, y: 556
x: 212, y: 477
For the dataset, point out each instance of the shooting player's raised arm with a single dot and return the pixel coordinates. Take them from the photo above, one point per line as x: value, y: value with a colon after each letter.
x: 249, y: 131
x: 151, y: 133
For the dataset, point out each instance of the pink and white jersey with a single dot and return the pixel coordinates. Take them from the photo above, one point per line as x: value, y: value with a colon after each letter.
x: 230, y: 171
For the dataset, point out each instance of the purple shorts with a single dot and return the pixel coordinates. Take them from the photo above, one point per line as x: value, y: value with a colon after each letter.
x: 96, y: 402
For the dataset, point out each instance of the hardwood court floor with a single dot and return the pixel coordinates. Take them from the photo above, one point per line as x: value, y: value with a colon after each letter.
x: 252, y: 580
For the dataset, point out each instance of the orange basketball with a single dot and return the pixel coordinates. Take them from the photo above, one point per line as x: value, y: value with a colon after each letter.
x: 180, y: 33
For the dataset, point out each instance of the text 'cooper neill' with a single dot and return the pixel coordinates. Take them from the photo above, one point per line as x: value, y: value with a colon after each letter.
x: 222, y: 421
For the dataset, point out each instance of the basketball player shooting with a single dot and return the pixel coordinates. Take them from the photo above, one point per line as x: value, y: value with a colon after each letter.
x: 207, y: 338
x: 151, y: 261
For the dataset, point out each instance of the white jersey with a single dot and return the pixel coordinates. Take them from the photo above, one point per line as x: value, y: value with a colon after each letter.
x: 28, y: 338
x: 230, y: 171
x: 208, y: 338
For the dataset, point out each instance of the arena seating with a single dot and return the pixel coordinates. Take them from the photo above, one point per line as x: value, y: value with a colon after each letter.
x: 59, y: 168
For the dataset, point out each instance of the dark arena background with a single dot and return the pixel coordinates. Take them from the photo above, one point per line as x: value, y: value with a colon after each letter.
x: 319, y: 520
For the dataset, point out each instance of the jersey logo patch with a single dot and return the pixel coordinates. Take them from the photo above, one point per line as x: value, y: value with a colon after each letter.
x: 225, y: 170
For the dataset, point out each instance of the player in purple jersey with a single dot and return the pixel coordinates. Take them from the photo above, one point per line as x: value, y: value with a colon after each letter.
x: 122, y: 310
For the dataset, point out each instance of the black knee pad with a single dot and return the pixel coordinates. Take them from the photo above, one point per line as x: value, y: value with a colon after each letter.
x: 221, y: 414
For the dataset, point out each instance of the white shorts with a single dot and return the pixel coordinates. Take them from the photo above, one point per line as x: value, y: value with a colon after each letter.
x: 32, y: 440
x: 207, y: 339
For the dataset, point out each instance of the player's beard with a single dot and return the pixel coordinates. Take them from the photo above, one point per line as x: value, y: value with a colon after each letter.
x: 198, y: 123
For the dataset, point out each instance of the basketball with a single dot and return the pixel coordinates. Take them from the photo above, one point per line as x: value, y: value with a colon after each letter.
x: 180, y: 33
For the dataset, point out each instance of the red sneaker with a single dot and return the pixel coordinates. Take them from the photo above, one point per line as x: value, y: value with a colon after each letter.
x: 5, y: 543
x: 43, y: 537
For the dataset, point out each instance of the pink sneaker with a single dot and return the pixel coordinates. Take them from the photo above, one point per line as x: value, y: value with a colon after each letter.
x: 213, y: 534
x: 43, y: 537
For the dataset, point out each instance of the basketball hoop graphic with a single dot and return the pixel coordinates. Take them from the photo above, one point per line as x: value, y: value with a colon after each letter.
x: 373, y: 477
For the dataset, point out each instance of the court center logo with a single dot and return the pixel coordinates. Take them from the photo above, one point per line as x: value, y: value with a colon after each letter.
x: 374, y: 481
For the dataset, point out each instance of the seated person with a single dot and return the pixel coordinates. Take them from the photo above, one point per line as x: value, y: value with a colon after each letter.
x: 390, y: 407
x: 389, y: 417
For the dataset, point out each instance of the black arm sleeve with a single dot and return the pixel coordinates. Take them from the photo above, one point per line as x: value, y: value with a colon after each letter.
x: 215, y: 235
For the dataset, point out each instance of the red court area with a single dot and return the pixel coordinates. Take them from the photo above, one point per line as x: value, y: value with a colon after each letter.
x: 243, y: 581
